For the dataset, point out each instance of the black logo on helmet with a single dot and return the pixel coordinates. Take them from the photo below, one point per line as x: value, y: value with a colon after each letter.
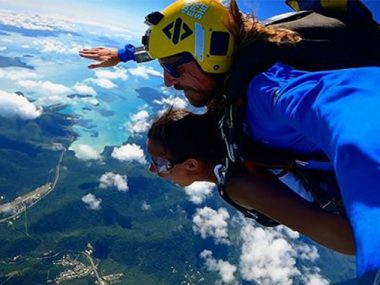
x: 177, y: 31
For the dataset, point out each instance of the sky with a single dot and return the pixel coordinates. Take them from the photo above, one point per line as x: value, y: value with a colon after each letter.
x: 125, y: 14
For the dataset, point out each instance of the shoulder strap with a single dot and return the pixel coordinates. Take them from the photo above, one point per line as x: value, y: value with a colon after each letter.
x: 221, y: 173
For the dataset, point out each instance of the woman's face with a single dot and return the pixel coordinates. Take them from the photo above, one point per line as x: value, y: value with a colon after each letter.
x: 179, y: 173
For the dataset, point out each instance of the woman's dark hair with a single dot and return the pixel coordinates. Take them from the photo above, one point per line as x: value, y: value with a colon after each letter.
x: 185, y: 135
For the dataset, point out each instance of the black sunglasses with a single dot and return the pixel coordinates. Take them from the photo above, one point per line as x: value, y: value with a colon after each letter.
x: 171, y: 68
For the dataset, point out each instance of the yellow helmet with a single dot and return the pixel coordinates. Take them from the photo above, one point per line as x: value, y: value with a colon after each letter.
x: 193, y: 26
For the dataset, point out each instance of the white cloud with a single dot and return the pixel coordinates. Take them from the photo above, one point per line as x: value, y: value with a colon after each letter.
x: 129, y: 152
x: 34, y: 22
x: 14, y: 105
x: 84, y: 89
x: 110, y: 179
x: 225, y: 269
x: 315, y: 279
x: 56, y: 46
x: 145, y: 206
x: 115, y: 73
x: 102, y: 82
x: 289, y: 232
x: 199, y: 191
x: 139, y: 123
x: 211, y: 223
x: 49, y: 92
x: 17, y: 74
x: 58, y: 21
x: 85, y: 152
x: 141, y: 115
x: 166, y: 90
x: 267, y: 257
x: 92, y: 101
x: 307, y: 252
x: 176, y: 102
x: 92, y: 202
x: 3, y: 48
x: 103, y: 78
x: 144, y: 72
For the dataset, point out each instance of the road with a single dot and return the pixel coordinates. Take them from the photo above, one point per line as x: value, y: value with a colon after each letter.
x: 22, y: 203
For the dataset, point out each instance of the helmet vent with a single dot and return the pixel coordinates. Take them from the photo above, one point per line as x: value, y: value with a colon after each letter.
x: 219, y: 43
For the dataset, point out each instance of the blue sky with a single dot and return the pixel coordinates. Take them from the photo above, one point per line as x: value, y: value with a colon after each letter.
x: 130, y: 13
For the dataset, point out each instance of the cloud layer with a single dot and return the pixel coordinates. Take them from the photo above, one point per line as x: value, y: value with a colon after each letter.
x: 14, y: 105
x: 34, y: 22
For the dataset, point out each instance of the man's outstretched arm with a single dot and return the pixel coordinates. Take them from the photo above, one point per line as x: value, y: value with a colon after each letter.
x: 108, y: 57
x: 104, y: 57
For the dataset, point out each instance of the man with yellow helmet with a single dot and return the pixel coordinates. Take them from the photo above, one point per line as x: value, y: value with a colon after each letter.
x: 210, y: 51
x: 195, y: 27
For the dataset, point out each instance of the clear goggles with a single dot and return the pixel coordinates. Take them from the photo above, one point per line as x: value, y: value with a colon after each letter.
x: 161, y: 165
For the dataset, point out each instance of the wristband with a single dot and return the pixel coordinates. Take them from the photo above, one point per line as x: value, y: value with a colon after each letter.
x: 127, y: 53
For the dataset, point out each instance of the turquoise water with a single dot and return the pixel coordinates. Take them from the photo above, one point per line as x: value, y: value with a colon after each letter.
x: 99, y: 125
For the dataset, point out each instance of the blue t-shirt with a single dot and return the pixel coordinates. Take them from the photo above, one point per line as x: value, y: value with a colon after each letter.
x: 335, y: 111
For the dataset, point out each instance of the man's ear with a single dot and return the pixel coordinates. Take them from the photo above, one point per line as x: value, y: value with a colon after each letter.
x: 191, y: 164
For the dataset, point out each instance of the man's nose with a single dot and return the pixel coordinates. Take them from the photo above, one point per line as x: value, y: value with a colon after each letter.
x: 169, y: 80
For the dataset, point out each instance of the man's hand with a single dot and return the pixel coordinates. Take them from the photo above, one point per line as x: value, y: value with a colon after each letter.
x: 105, y: 57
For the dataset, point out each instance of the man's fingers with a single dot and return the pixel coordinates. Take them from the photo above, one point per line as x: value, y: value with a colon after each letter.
x: 92, y: 56
x: 86, y: 53
x: 91, y: 52
x: 95, y: 65
x: 91, y: 49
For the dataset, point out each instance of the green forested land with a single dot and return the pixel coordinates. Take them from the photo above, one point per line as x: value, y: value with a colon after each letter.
x: 157, y: 246
x: 145, y: 245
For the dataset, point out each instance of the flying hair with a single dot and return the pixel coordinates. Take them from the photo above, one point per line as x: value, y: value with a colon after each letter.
x: 247, y: 28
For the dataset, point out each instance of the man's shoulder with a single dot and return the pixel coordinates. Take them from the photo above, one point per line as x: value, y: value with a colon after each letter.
x: 305, y: 22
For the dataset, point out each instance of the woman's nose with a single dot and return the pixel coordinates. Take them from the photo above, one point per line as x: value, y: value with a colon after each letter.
x: 152, y: 168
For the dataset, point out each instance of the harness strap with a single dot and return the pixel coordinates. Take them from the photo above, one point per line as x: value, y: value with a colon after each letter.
x: 261, y: 169
x: 220, y: 172
x: 312, y: 170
